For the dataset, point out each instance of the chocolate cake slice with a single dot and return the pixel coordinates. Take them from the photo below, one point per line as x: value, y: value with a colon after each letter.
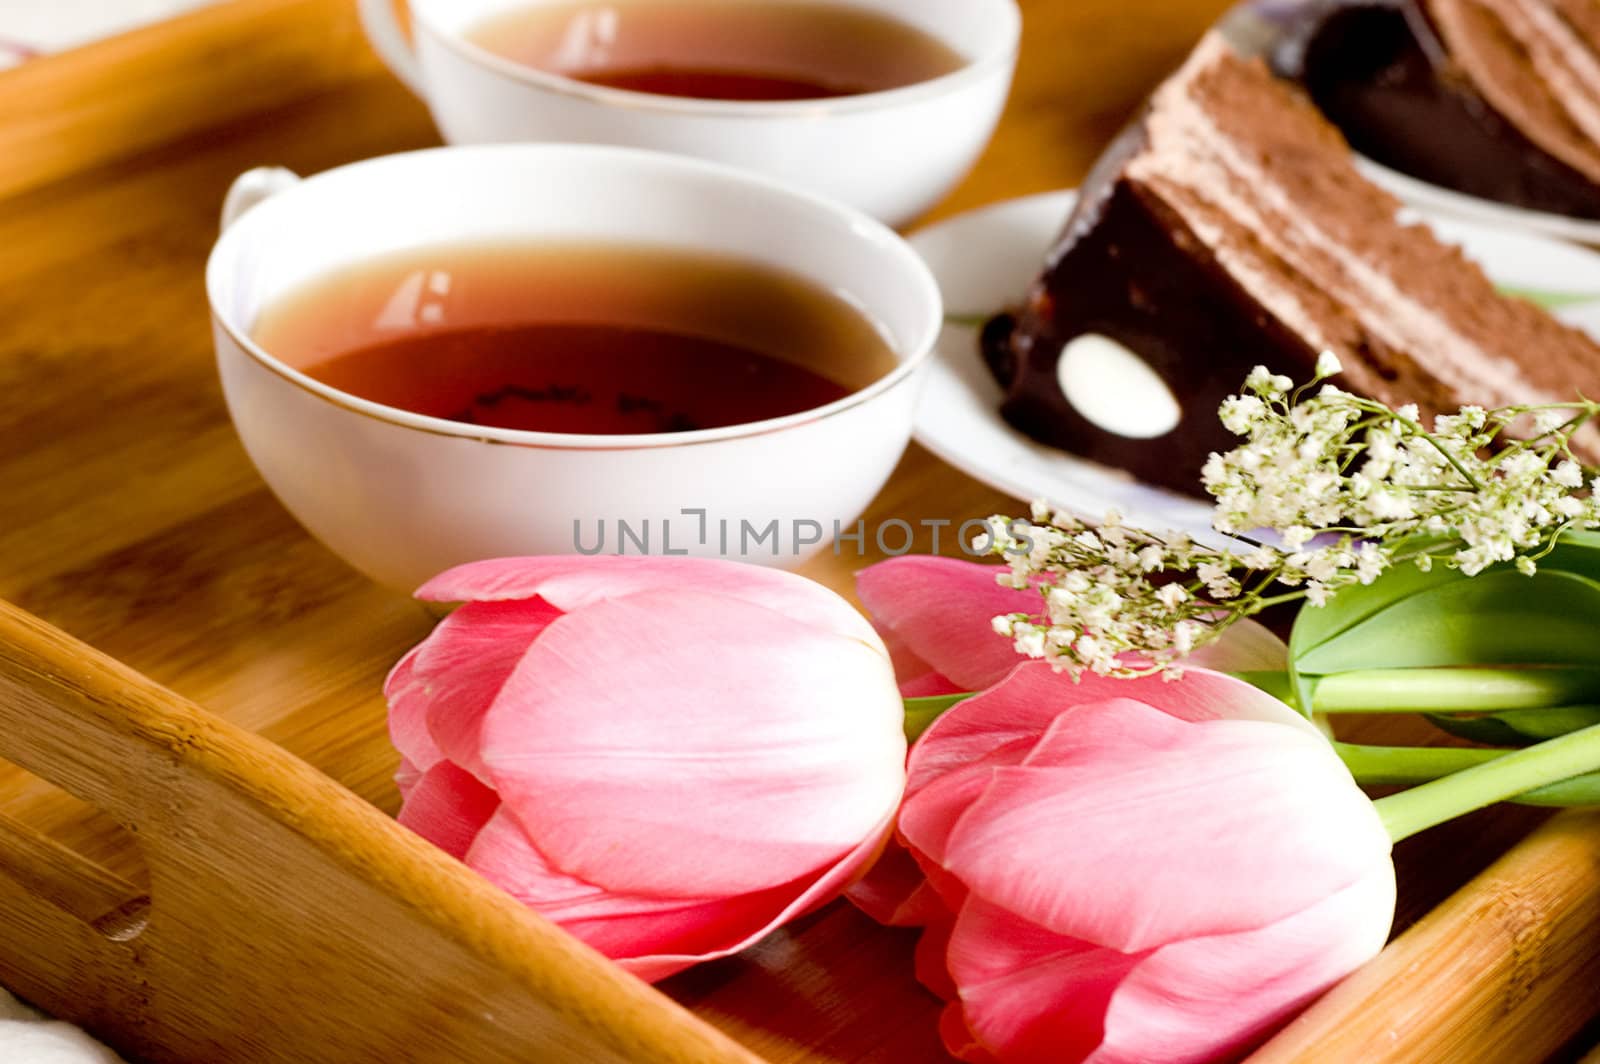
x: 1229, y: 228
x: 1496, y: 98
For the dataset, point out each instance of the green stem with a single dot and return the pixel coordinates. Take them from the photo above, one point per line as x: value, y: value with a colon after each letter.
x: 1551, y: 762
x: 1444, y: 690
x: 1439, y: 691
x: 1279, y: 600
x: 922, y: 712
x: 1408, y: 766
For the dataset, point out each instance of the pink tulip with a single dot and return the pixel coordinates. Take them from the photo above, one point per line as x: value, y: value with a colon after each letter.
x: 669, y: 757
x: 1123, y: 871
x: 935, y: 616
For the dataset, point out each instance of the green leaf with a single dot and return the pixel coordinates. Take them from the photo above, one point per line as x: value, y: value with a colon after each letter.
x: 1411, y: 619
x: 1575, y: 552
x: 1317, y: 626
x: 1500, y: 618
x: 922, y: 712
x: 1519, y: 727
x: 1444, y: 620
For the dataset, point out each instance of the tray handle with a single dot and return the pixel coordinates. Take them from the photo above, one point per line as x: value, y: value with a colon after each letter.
x: 288, y: 920
x: 1504, y: 970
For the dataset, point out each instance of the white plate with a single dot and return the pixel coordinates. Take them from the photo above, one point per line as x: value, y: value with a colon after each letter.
x: 985, y: 260
x: 1438, y: 199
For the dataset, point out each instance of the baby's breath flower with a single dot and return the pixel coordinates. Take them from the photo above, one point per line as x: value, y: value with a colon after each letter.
x: 1371, y: 561
x: 1547, y: 421
x: 1030, y: 640
x: 1349, y: 487
x: 1259, y: 380
x: 1297, y: 536
x: 1239, y: 414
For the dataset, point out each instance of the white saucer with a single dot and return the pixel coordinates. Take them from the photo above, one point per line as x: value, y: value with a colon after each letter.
x: 1436, y: 198
x: 984, y: 261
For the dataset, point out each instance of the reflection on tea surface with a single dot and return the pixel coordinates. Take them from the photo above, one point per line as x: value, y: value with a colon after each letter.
x: 720, y: 49
x: 586, y: 338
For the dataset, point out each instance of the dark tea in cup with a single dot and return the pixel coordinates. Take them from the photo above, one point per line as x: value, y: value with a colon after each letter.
x: 602, y: 339
x: 720, y: 49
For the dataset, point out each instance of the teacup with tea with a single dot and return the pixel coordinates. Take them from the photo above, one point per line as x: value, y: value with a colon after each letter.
x: 883, y: 104
x: 465, y: 353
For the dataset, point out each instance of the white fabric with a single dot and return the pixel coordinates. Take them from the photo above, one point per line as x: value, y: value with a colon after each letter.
x: 29, y: 1037
x: 30, y: 27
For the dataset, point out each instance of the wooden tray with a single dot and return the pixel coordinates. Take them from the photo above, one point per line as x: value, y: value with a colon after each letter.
x: 225, y: 884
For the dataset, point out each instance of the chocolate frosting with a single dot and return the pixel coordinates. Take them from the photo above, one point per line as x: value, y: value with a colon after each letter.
x: 1380, y: 72
x: 1127, y: 270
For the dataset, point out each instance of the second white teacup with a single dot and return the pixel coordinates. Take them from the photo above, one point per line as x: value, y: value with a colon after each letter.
x: 893, y: 153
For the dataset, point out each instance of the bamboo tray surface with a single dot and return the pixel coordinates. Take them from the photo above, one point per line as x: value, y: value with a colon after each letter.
x: 131, y: 519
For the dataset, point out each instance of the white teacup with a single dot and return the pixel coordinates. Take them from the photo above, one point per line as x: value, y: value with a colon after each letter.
x: 402, y: 496
x: 892, y: 154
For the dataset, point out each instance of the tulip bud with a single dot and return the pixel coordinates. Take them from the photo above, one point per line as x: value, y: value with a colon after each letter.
x: 1132, y: 870
x: 668, y: 757
x: 938, y: 617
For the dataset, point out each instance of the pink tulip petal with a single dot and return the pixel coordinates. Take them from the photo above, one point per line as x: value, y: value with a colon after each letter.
x: 462, y: 666
x: 925, y: 685
x: 821, y: 890
x: 940, y: 610
x: 1033, y: 695
x: 678, y: 743
x: 1030, y: 996
x: 1267, y: 817
x: 924, y: 908
x: 1024, y: 994
x: 895, y: 891
x: 824, y: 888
x: 1245, y: 646
x: 654, y: 936
x: 406, y: 778
x: 448, y: 807
x: 917, y: 678
x: 1168, y: 1009
x: 408, y: 714
x: 936, y: 614
x: 930, y: 963
x: 888, y: 885
x: 932, y: 811
x: 572, y: 583
x: 948, y: 892
x: 958, y: 1038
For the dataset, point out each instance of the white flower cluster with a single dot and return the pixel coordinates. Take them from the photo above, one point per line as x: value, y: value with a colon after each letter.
x: 1337, y: 488
x: 1108, y: 592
